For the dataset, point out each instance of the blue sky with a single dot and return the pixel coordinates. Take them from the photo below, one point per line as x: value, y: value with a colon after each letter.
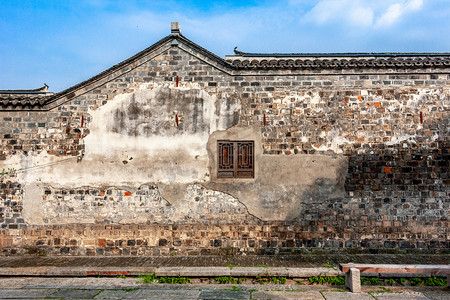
x: 63, y: 43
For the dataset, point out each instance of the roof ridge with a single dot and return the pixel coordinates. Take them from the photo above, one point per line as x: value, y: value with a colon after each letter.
x: 337, y: 54
x: 111, y: 69
x: 205, y: 51
x: 41, y: 90
x: 172, y: 36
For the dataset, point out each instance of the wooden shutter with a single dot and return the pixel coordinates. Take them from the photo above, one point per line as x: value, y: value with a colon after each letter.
x: 235, y: 159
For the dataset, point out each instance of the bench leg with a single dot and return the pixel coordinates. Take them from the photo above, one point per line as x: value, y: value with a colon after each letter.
x: 353, y: 280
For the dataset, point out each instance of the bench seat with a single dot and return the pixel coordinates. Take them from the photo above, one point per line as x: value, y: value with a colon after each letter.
x: 352, y: 272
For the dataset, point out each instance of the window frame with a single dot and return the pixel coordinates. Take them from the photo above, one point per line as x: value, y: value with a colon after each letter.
x: 242, y: 164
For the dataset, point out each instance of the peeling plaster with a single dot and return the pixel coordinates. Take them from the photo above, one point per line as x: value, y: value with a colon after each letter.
x: 340, y: 135
x: 32, y: 204
x: 133, y: 141
x: 398, y: 139
x: 282, y: 184
x: 144, y: 205
x: 128, y: 155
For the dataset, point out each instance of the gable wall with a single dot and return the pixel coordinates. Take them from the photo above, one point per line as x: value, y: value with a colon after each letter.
x: 382, y: 135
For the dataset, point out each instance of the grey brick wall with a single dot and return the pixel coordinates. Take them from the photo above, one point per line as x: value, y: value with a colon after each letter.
x: 391, y: 124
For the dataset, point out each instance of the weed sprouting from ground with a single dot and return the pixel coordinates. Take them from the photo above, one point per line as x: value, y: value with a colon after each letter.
x: 370, y: 281
x: 270, y: 279
x: 152, y: 278
x: 278, y: 280
x: 148, y: 278
x: 433, y: 281
x: 174, y: 280
x: 416, y: 281
x: 230, y: 279
x: 334, y: 280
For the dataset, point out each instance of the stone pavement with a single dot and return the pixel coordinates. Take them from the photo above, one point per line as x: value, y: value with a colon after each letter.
x: 131, y: 288
x: 33, y: 277
x: 288, y: 266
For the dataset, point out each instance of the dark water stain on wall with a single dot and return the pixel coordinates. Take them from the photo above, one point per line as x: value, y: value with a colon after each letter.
x: 149, y: 113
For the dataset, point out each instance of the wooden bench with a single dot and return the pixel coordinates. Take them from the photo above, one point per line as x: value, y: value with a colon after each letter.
x: 352, y: 272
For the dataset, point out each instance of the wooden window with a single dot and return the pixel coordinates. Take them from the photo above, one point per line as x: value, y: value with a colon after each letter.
x: 236, y: 159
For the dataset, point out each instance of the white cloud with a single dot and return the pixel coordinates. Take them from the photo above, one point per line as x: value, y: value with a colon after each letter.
x: 360, y: 13
x: 362, y: 16
x: 395, y: 11
x: 354, y: 13
x: 329, y: 10
x: 414, y: 5
x: 390, y: 16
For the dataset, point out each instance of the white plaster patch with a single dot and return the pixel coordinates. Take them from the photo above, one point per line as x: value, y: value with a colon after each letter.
x: 435, y: 137
x: 32, y: 204
x: 334, y: 141
x: 294, y: 99
x: 116, y: 146
x: 316, y: 98
x: 401, y: 138
x: 146, y: 147
x: 143, y: 205
x: 321, y: 148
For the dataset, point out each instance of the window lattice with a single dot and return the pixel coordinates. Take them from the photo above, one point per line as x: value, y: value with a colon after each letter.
x: 236, y: 159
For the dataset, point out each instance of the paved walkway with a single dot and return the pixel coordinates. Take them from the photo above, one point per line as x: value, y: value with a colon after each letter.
x: 130, y: 288
x: 75, y: 278
x: 207, y: 266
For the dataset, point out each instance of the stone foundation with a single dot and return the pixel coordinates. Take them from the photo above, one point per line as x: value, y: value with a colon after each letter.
x: 262, y: 238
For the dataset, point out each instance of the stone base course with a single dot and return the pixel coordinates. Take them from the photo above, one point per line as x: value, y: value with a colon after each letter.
x: 263, y: 238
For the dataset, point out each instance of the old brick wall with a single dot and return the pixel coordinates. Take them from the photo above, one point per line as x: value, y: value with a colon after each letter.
x: 390, y: 124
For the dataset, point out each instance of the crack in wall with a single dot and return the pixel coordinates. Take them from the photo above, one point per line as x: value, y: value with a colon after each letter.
x: 112, y: 204
x: 237, y: 199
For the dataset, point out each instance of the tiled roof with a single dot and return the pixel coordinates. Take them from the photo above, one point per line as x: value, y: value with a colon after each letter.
x: 337, y: 60
x: 335, y: 54
x: 24, y: 98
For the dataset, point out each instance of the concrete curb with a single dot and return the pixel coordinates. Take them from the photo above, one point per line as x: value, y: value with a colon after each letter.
x: 51, y: 271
